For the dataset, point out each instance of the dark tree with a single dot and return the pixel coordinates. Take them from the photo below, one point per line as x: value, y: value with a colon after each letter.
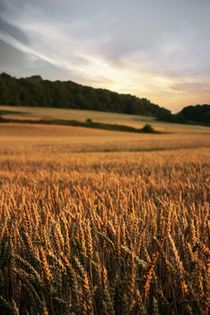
x: 34, y: 91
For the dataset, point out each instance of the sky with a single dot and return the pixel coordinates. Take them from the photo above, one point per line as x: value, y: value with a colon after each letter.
x: 158, y: 49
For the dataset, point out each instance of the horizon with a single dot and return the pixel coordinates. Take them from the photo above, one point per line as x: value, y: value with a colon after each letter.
x: 38, y: 75
x: 158, y: 50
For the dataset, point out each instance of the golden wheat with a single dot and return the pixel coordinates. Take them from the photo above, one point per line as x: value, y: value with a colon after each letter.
x: 104, y: 233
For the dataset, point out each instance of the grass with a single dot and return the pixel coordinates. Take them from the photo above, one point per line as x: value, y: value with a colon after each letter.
x: 4, y: 112
x: 87, y: 124
x: 85, y: 231
x: 135, y: 121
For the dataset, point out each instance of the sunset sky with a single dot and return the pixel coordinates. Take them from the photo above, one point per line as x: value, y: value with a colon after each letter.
x: 158, y: 49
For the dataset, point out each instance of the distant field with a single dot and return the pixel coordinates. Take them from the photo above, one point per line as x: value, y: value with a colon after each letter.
x: 47, y: 138
x: 111, y: 118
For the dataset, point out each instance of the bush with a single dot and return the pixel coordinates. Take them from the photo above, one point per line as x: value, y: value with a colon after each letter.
x: 89, y: 121
x: 148, y: 128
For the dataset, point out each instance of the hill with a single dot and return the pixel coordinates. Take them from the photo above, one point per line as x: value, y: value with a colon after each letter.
x: 35, y: 91
x: 198, y: 114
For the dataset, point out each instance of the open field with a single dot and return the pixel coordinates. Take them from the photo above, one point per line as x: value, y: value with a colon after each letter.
x: 136, y: 121
x: 102, y: 222
x: 49, y: 139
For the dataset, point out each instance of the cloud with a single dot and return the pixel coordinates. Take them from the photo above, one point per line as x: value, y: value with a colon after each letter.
x: 13, y: 31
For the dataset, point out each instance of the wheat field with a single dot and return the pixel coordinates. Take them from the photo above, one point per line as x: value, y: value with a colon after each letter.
x: 136, y: 121
x: 104, y: 223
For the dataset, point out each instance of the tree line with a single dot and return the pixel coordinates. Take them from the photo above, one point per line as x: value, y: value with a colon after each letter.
x: 34, y: 91
x: 198, y: 114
